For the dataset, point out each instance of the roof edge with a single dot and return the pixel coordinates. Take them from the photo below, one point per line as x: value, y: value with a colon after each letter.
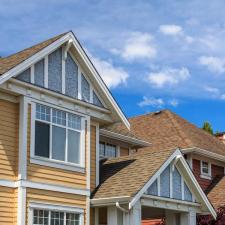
x: 125, y: 138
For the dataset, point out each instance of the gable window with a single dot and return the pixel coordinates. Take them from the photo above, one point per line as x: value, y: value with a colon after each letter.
x: 58, y: 135
x: 205, y: 169
x: 107, y: 150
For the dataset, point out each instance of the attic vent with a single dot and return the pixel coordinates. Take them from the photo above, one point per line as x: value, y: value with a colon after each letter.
x: 157, y: 112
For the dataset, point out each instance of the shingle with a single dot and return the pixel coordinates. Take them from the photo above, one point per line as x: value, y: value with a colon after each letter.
x: 125, y: 176
x: 216, y: 194
x: 166, y: 130
x: 11, y: 61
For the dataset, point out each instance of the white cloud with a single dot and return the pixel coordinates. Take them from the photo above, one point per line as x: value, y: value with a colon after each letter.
x: 212, y: 90
x: 168, y: 76
x: 222, y: 97
x: 154, y: 102
x: 214, y: 64
x: 173, y: 102
x: 112, y: 76
x: 137, y: 46
x: 171, y: 29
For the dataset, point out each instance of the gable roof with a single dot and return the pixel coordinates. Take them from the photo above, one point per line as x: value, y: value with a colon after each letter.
x: 13, y: 60
x: 166, y: 130
x: 16, y: 63
x: 125, y: 176
x: 216, y: 193
x: 129, y: 177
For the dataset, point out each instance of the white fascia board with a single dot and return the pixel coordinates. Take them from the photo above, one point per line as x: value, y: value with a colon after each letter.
x: 204, y: 152
x: 198, y: 188
x: 124, y: 138
x: 110, y: 201
x: 154, y: 177
x: 176, y: 155
x: 39, y: 55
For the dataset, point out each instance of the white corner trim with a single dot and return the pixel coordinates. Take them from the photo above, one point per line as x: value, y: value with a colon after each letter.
x: 87, y: 211
x: 32, y: 74
x: 21, y: 210
x: 88, y: 152
x: 54, y: 207
x: 22, y: 164
x: 97, y: 155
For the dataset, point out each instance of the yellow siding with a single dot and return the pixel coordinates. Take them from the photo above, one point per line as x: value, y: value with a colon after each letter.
x: 124, y: 151
x: 51, y: 175
x: 8, y: 201
x: 57, y: 198
x: 9, y: 123
x: 93, y: 157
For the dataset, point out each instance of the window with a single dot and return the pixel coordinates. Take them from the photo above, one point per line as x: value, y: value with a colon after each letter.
x: 107, y: 150
x: 46, y: 217
x: 205, y: 168
x: 58, y: 135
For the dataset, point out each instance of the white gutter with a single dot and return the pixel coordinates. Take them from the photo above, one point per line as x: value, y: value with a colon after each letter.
x: 121, y: 208
x: 121, y: 137
x: 204, y: 152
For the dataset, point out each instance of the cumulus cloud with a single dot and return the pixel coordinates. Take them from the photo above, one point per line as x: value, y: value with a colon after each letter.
x: 214, y: 64
x: 168, y: 77
x: 212, y: 90
x: 112, y: 76
x: 137, y: 46
x: 154, y: 102
x: 157, y: 102
x: 171, y: 29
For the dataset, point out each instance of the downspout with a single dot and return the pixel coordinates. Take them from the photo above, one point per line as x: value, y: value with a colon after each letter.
x: 121, y: 208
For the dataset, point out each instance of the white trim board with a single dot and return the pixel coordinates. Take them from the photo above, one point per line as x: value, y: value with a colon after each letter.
x: 44, y: 186
x: 96, y: 77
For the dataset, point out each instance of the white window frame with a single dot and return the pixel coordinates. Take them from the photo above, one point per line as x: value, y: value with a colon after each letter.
x: 203, y: 174
x: 51, y: 207
x: 107, y: 157
x: 53, y: 162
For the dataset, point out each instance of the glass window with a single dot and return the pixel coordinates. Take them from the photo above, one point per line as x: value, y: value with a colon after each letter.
x: 107, y: 150
x: 205, y: 168
x: 57, y: 134
x: 46, y: 217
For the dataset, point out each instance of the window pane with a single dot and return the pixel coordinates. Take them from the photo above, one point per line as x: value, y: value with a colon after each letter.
x: 205, y: 167
x: 73, y: 146
x: 102, y: 149
x: 85, y: 89
x: 110, y: 150
x: 42, y: 112
x: 41, y: 139
x: 74, y: 121
x: 40, y: 217
x: 72, y: 219
x: 58, y: 143
x: 57, y: 218
x: 59, y: 117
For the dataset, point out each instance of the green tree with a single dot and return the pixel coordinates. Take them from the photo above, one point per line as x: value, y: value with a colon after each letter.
x: 207, y: 127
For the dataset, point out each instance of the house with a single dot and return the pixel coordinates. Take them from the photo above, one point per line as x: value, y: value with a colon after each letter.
x: 204, y: 152
x: 60, y: 161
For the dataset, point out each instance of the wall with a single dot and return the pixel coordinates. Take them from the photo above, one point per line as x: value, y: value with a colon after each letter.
x: 204, y: 183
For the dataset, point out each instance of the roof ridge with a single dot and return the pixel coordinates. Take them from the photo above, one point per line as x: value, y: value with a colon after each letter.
x: 178, y: 128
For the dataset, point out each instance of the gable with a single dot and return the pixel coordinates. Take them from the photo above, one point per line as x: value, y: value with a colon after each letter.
x: 62, y: 75
x: 171, y: 184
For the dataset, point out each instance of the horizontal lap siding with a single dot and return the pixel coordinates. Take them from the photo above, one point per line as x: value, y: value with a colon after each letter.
x: 9, y: 123
x: 93, y: 157
x: 8, y: 205
x: 55, y: 198
x: 44, y: 174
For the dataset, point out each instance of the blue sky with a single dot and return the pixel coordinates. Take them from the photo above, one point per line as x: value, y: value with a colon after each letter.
x: 152, y: 54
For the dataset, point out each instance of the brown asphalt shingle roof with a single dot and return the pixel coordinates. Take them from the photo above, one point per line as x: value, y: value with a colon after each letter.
x: 125, y: 176
x: 167, y: 130
x: 11, y: 61
x: 217, y: 193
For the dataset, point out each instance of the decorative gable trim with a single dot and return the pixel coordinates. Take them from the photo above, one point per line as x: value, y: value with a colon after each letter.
x: 175, y: 158
x: 69, y: 37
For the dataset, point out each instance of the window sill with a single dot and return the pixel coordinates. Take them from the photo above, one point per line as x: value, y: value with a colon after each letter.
x: 204, y: 176
x: 58, y: 165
